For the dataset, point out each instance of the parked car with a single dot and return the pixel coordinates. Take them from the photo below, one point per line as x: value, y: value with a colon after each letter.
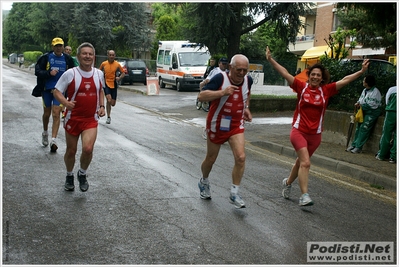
x: 135, y: 71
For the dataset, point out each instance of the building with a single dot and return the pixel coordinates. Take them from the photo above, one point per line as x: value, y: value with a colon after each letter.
x: 311, y: 42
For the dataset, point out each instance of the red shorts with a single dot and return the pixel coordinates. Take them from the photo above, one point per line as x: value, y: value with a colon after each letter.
x: 221, y: 137
x: 300, y: 140
x: 75, y: 128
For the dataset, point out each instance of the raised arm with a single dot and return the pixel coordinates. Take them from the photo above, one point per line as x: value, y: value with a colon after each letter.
x: 283, y: 71
x: 351, y: 77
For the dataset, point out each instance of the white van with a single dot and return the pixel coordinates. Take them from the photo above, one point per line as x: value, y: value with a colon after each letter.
x: 181, y: 64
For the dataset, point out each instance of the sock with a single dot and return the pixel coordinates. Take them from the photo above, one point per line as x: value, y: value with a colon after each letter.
x: 45, y: 132
x: 234, y: 189
x: 82, y: 172
x: 53, y: 138
x: 69, y: 173
x: 204, y: 180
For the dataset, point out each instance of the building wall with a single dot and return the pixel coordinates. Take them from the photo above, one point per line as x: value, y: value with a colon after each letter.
x: 324, y: 22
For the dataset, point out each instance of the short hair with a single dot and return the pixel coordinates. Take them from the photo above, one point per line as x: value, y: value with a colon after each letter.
x: 370, y: 80
x: 85, y: 44
x: 238, y: 56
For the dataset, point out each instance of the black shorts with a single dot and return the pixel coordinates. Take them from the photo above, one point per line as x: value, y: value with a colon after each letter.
x: 111, y: 91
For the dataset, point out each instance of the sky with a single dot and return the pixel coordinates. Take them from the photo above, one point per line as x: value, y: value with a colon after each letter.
x: 6, y: 5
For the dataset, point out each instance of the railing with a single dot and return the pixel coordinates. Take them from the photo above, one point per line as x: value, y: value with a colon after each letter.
x: 308, y: 37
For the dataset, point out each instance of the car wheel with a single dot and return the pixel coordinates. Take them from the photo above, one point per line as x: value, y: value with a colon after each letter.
x: 198, y: 104
x: 161, y: 83
x: 130, y: 83
x: 205, y: 106
x: 145, y: 82
x: 178, y: 87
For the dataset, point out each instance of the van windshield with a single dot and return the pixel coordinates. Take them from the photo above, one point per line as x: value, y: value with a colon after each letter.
x: 193, y: 59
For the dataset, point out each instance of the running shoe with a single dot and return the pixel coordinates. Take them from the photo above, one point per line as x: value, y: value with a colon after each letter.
x: 69, y: 185
x: 391, y: 160
x: 286, y: 189
x: 205, y: 190
x: 45, y: 139
x: 349, y: 148
x: 237, y: 201
x: 305, y: 200
x: 53, y: 146
x: 83, y: 184
x: 108, y: 120
x: 204, y: 134
x: 356, y: 150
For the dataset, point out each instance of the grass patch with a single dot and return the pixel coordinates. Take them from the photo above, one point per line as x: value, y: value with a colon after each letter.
x: 377, y: 186
x: 273, y: 96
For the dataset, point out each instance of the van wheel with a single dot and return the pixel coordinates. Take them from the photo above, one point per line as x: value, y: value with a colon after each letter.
x: 161, y: 84
x: 178, y: 87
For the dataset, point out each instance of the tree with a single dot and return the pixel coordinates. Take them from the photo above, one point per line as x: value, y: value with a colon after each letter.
x: 337, y: 41
x: 105, y: 25
x: 220, y: 25
x: 16, y: 28
x: 375, y: 23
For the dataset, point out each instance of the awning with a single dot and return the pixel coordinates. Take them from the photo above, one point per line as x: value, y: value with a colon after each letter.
x: 368, y: 52
x: 315, y: 53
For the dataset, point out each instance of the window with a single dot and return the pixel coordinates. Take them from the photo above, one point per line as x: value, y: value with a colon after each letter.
x: 160, y: 57
x: 167, y: 58
x: 174, y: 59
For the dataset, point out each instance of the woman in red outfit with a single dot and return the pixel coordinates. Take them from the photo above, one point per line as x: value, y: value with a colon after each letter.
x: 308, y: 118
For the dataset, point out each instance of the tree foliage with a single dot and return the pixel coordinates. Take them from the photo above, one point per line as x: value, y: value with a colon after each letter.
x: 220, y: 25
x: 337, y: 43
x: 111, y: 25
x: 349, y: 94
x: 375, y: 23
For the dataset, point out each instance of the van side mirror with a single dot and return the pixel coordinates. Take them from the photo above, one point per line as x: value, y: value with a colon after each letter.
x: 174, y: 65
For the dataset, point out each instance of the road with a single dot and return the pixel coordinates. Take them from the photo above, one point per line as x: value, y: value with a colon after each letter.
x: 143, y: 204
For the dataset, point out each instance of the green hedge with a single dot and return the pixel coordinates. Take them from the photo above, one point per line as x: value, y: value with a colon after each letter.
x: 32, y: 56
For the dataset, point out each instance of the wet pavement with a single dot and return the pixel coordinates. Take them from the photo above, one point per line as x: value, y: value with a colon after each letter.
x: 363, y: 166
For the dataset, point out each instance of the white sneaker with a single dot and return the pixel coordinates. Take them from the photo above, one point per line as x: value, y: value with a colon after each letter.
x: 108, y: 120
x: 237, y: 201
x: 45, y: 139
x: 305, y: 200
x: 205, y: 190
x: 204, y: 134
x: 286, y: 189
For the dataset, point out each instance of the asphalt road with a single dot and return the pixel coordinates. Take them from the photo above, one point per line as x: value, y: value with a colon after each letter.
x: 143, y: 204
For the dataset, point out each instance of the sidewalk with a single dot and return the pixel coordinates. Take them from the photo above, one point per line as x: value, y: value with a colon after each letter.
x: 333, y: 157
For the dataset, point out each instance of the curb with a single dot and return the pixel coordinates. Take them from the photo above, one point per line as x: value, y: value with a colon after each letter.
x: 344, y: 168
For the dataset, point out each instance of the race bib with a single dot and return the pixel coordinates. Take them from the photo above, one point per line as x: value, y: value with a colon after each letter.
x: 225, y: 123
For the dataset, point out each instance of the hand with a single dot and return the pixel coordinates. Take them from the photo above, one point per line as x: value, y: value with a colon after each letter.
x: 229, y: 90
x: 268, y: 53
x: 101, y: 112
x: 70, y: 105
x: 53, y: 72
x: 365, y: 64
x: 247, y: 115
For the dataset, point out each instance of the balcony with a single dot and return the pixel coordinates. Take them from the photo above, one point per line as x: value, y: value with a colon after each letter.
x: 303, y: 43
